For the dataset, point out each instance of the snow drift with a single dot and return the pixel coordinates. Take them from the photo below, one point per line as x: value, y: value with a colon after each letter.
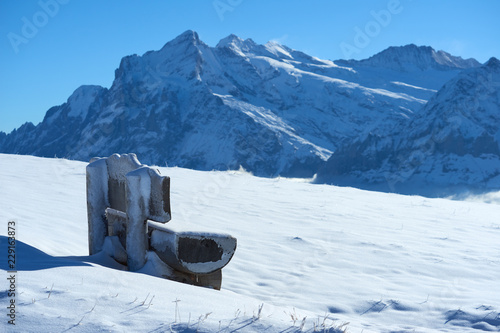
x: 310, y: 258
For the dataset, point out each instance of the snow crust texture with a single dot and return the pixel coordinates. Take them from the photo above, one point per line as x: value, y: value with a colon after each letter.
x: 310, y: 258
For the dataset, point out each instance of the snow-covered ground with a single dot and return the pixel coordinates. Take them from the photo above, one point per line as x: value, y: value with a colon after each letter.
x: 380, y: 262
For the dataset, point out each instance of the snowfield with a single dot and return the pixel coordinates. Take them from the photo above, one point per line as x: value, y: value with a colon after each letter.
x: 375, y: 262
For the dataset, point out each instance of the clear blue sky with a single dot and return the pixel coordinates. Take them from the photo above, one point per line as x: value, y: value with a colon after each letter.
x: 48, y: 51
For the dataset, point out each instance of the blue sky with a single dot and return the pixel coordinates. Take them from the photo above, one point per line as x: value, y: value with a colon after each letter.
x: 48, y: 48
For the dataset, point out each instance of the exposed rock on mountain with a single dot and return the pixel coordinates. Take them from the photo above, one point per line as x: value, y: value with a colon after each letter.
x: 267, y: 108
x: 453, y: 144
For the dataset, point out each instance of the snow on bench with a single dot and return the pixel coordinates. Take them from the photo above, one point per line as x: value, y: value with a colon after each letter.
x: 127, y: 205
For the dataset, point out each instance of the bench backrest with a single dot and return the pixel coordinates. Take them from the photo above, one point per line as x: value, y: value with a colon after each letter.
x: 121, y: 182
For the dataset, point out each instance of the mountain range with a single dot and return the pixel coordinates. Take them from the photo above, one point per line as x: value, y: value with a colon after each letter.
x: 405, y: 116
x: 451, y: 145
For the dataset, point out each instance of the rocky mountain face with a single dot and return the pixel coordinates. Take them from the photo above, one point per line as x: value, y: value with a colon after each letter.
x: 452, y: 145
x: 267, y: 108
x: 411, y: 57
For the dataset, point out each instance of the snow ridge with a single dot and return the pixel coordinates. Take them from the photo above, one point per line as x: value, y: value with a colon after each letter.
x: 410, y: 57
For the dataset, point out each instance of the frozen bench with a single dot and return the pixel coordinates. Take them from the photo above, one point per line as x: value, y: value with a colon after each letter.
x: 127, y: 205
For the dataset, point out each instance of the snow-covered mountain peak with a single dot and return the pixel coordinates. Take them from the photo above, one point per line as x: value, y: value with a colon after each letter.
x: 84, y: 91
x: 186, y: 42
x: 81, y: 99
x: 230, y: 40
x: 493, y: 63
x: 412, y: 57
x: 474, y: 98
x: 188, y: 36
x: 76, y: 107
x: 181, y: 56
x: 248, y: 47
x: 237, y: 44
x: 446, y: 59
x: 278, y: 50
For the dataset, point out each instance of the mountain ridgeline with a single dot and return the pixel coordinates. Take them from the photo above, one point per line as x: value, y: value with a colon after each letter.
x: 451, y: 146
x: 406, y: 119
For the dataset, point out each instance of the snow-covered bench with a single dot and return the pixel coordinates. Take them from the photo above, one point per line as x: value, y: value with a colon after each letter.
x: 127, y: 205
